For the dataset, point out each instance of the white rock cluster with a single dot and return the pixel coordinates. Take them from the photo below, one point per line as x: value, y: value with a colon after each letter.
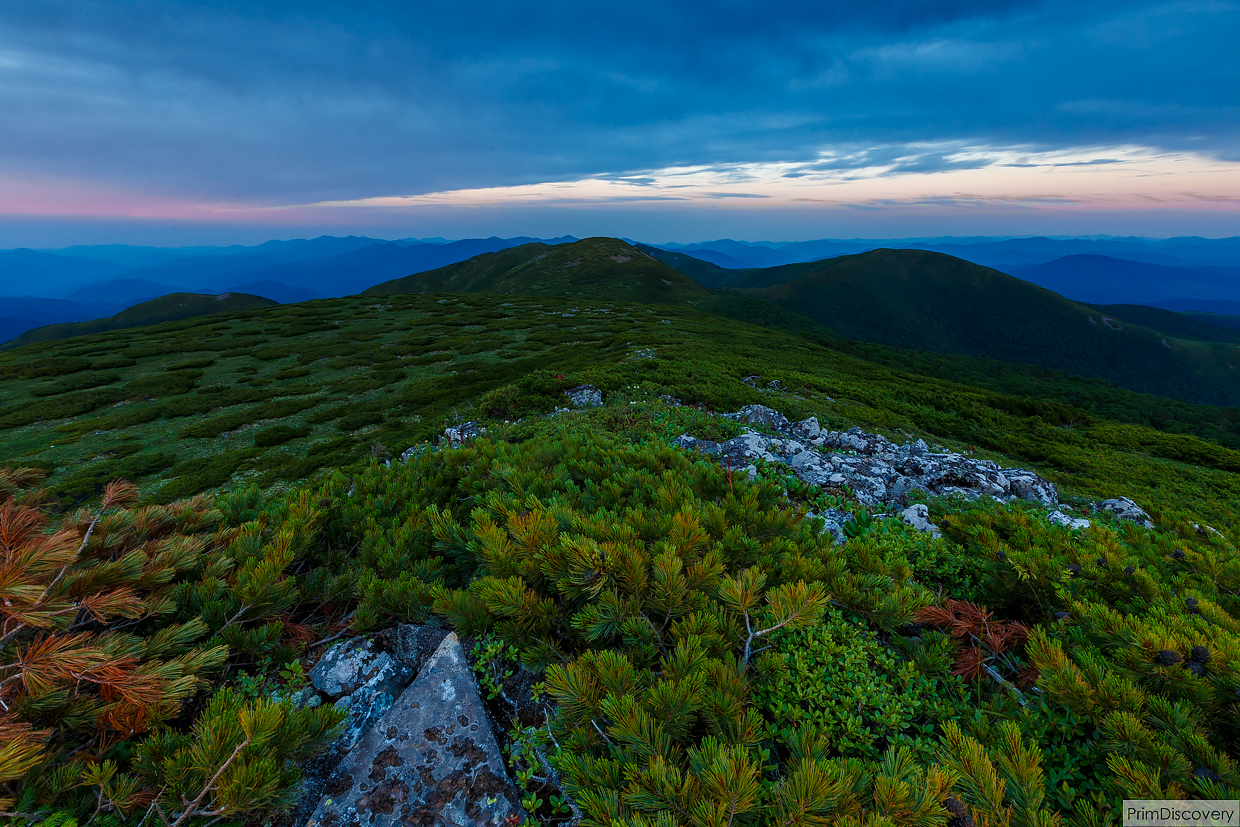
x: 878, y: 471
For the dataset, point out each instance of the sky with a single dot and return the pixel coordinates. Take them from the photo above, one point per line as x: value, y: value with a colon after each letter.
x: 235, y: 122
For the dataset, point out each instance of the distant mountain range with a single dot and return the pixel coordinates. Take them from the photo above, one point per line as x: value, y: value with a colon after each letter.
x: 90, y: 282
x: 85, y: 282
x: 1002, y: 254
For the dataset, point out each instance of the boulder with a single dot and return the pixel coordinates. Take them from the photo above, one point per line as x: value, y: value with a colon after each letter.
x: 431, y: 761
x: 702, y: 446
x: 807, y: 429
x: 761, y: 416
x: 413, y: 645
x: 833, y: 520
x: 585, y: 396
x: 461, y: 434
x: 746, y: 448
x: 354, y: 663
x: 365, y: 707
x: 1067, y: 520
x: 918, y: 516
x: 1126, y: 509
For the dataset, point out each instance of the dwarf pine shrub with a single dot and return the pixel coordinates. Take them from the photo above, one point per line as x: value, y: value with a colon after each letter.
x: 100, y: 652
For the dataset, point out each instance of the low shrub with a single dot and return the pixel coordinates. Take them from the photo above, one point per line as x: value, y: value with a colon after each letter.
x: 74, y: 382
x: 838, y: 680
x: 359, y: 419
x: 88, y: 482
x: 61, y: 407
x: 193, y: 363
x: 279, y: 434
x: 193, y: 476
x: 92, y: 729
x: 164, y: 384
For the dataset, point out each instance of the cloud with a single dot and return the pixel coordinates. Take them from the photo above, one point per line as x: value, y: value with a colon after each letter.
x: 264, y: 105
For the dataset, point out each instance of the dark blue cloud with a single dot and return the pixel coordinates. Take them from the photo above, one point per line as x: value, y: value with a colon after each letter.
x: 308, y: 101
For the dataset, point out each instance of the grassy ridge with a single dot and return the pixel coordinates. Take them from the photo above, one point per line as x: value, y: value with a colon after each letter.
x: 170, y: 308
x: 274, y: 395
x: 924, y: 301
x: 599, y: 269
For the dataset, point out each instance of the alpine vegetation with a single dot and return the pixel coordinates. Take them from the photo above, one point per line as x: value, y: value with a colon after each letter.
x: 524, y: 554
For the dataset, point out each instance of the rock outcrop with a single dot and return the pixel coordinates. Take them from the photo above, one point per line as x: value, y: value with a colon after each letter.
x: 585, y: 396
x: 1126, y: 509
x: 1067, y: 520
x: 461, y: 434
x: 879, y: 472
x: 364, y: 678
x: 430, y: 761
x: 918, y: 516
x: 361, y: 681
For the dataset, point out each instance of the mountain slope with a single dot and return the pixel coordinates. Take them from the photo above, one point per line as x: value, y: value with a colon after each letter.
x: 123, y: 291
x: 929, y: 301
x: 1204, y: 327
x: 1106, y: 280
x: 170, y: 308
x: 601, y: 269
x: 23, y: 270
x: 908, y: 299
x: 21, y: 314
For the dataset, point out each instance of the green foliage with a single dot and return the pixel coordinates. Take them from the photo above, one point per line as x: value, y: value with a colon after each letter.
x: 278, y: 435
x: 100, y: 654
x: 837, y: 680
x: 492, y: 665
x: 645, y: 581
x: 73, y: 382
x: 238, y: 759
x: 168, y: 384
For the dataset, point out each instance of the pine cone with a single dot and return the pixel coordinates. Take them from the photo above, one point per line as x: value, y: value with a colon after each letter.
x: 1200, y: 654
x: 1130, y: 569
x: 1063, y: 616
x: 959, y: 815
x: 1102, y: 563
x: 1001, y: 557
x: 1074, y: 570
x: 1179, y: 554
x: 1198, y: 669
x: 1167, y: 657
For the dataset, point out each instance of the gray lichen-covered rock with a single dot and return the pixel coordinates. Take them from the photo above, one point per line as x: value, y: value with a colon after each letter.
x: 807, y: 429
x: 430, y: 761
x: 585, y: 396
x: 365, y: 706
x: 833, y: 520
x: 409, y: 647
x: 761, y: 415
x: 918, y: 516
x: 354, y: 663
x: 413, y: 645
x: 877, y: 471
x: 1126, y: 509
x: 461, y: 434
x: 702, y: 446
x: 1067, y: 520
